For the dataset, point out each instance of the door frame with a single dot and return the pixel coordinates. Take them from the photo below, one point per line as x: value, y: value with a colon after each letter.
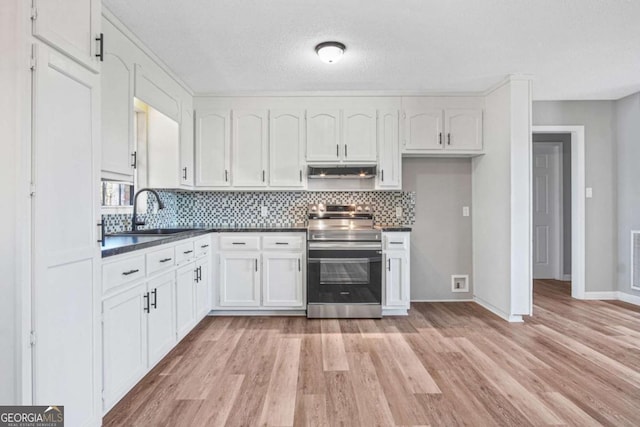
x: 559, y: 211
x: 578, y: 213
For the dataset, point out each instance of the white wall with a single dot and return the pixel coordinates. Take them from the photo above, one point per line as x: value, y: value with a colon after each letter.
x: 441, y: 236
x: 598, y: 118
x: 628, y: 162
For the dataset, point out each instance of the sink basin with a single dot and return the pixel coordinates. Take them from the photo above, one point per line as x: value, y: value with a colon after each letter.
x: 154, y: 232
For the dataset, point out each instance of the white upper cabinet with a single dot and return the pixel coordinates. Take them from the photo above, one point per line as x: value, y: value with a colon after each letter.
x: 389, y: 162
x: 213, y: 148
x: 359, y: 136
x: 286, y: 148
x: 423, y: 130
x: 323, y: 136
x: 186, y: 146
x: 464, y: 129
x: 71, y: 26
x: 117, y: 77
x: 249, y: 148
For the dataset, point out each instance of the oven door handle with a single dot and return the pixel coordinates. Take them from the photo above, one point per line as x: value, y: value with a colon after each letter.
x: 345, y: 246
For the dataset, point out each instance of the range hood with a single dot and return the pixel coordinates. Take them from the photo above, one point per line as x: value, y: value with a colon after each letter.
x: 342, y: 172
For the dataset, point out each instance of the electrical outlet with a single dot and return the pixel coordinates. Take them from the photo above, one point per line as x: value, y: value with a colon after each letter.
x: 465, y: 211
x: 589, y: 192
x: 398, y: 212
x: 264, y: 211
x: 460, y: 283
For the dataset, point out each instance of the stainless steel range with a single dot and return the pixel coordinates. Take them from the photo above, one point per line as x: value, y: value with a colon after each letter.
x: 345, y: 262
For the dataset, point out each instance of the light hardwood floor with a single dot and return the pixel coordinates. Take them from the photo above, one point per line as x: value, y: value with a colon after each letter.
x: 572, y: 363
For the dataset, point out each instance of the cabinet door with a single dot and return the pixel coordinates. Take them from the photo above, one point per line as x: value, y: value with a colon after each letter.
x: 116, y: 78
x: 249, y: 148
x: 66, y: 256
x: 71, y: 26
x: 464, y: 129
x: 282, y: 280
x: 202, y: 288
x: 239, y: 280
x: 389, y: 162
x: 186, y: 146
x: 124, y: 339
x: 359, y: 136
x: 286, y: 158
x: 185, y: 299
x: 213, y: 148
x: 423, y: 130
x: 396, y: 280
x: 162, y: 325
x: 323, y: 136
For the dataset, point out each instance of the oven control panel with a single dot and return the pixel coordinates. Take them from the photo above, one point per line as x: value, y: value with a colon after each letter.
x: 323, y: 209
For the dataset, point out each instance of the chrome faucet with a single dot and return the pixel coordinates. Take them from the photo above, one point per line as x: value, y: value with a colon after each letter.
x: 135, y: 223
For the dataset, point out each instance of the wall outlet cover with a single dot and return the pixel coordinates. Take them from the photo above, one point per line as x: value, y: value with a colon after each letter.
x: 465, y: 211
x: 264, y: 211
x: 398, y: 212
x: 460, y: 283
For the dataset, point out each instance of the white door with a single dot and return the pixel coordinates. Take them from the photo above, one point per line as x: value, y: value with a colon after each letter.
x: 213, y: 148
x: 359, y: 136
x: 464, y: 129
x: 396, y: 277
x: 66, y: 254
x: 389, y: 162
x: 282, y: 280
x: 186, y: 146
x: 117, y: 76
x: 423, y: 130
x: 124, y: 340
x: 202, y: 288
x: 162, y: 324
x: 249, y: 148
x: 71, y: 26
x: 185, y: 299
x: 546, y: 210
x: 323, y: 136
x: 286, y: 148
x: 239, y: 280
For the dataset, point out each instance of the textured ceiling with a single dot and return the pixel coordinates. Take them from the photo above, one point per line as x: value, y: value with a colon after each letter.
x: 575, y: 49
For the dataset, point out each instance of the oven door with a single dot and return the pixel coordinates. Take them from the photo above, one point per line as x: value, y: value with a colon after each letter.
x: 344, y: 274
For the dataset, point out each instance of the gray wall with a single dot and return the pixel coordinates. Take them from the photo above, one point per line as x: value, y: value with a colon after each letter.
x: 598, y: 117
x: 441, y: 237
x: 628, y: 144
x: 565, y: 139
x: 9, y: 101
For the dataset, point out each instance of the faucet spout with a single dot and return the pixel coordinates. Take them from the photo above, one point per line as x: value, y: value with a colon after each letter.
x: 134, y: 222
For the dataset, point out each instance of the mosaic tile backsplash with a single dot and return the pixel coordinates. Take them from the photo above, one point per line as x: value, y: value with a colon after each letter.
x: 243, y: 209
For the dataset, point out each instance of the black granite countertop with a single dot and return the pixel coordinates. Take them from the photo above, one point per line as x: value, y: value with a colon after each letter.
x: 116, y: 244
x: 384, y: 227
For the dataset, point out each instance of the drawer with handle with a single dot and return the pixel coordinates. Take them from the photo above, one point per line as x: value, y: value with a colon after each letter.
x: 240, y: 243
x: 185, y: 252
x: 291, y: 243
x: 202, y: 246
x: 160, y: 260
x: 396, y: 241
x: 124, y: 271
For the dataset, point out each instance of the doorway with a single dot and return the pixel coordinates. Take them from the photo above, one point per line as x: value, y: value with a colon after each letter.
x: 558, y: 206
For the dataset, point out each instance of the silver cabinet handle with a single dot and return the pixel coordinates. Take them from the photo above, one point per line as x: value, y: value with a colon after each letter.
x: 448, y: 139
x: 337, y: 150
x: 165, y: 260
x: 146, y: 302
x: 226, y: 175
x: 263, y: 176
x: 126, y: 273
x: 256, y: 264
x: 389, y: 264
x: 396, y: 243
x: 282, y: 243
x: 440, y: 138
x: 184, y: 173
x: 382, y: 175
x: 204, y: 246
x: 299, y: 265
x: 187, y: 252
x: 134, y: 160
x: 154, y: 292
x: 300, y: 175
x: 238, y: 243
x: 345, y: 151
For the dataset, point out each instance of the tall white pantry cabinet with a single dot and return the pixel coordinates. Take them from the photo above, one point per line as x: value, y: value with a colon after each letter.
x: 65, y: 170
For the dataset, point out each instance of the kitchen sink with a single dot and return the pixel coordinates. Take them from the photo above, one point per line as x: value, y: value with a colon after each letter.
x: 154, y: 232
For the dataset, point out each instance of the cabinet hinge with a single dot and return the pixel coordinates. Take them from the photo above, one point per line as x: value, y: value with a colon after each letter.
x: 32, y: 338
x: 34, y: 13
x: 32, y: 190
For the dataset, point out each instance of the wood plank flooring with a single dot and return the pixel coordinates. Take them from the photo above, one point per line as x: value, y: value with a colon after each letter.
x: 573, y: 363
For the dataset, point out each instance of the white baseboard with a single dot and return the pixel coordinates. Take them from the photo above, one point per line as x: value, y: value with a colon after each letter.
x: 217, y: 312
x: 566, y: 278
x: 395, y: 312
x: 631, y: 299
x: 443, y: 300
x: 497, y: 311
x: 608, y: 295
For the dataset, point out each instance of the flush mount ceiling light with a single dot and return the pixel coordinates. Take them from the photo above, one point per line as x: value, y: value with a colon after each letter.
x: 330, y: 52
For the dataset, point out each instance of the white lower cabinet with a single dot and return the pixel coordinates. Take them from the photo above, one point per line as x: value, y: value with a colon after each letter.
x: 202, y: 285
x: 397, y: 298
x: 138, y: 331
x: 282, y: 279
x: 270, y: 276
x: 240, y: 279
x: 185, y: 299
